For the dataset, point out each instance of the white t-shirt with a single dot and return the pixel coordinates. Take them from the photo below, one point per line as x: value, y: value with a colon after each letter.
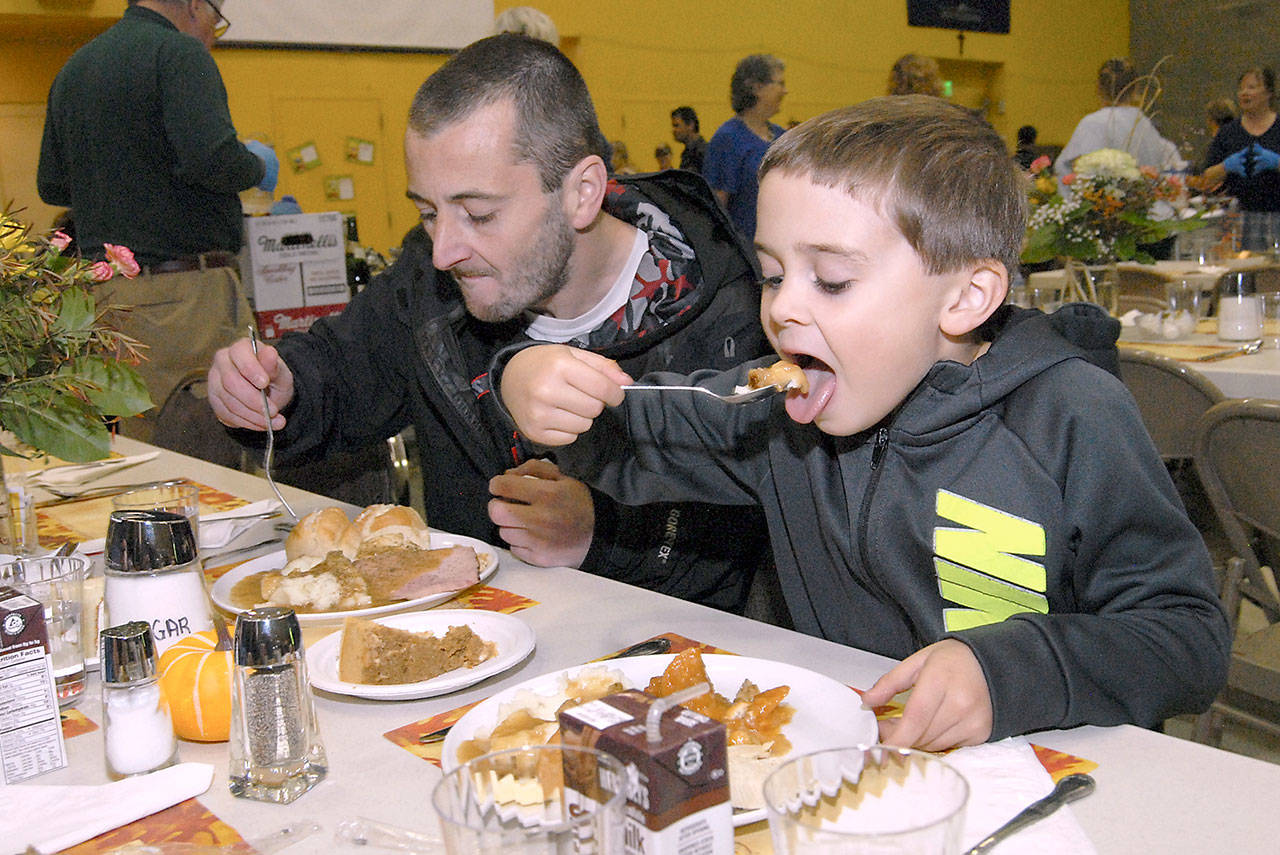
x: 547, y: 328
x: 1124, y: 128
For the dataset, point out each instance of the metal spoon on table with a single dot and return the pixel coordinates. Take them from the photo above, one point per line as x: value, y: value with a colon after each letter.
x: 1069, y: 789
x: 271, y: 435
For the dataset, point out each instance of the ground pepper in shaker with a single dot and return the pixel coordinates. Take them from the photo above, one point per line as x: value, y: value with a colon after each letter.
x: 138, y: 733
x: 276, y: 753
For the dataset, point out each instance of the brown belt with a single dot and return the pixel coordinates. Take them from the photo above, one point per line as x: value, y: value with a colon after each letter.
x: 203, y: 261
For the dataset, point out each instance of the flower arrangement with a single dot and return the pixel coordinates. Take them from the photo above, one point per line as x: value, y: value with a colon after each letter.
x: 63, y: 368
x: 1113, y: 208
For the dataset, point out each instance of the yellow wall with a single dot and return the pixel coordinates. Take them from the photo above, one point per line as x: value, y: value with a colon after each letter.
x: 640, y: 59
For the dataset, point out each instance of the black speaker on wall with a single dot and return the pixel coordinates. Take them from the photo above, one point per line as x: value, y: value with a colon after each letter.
x: 974, y: 16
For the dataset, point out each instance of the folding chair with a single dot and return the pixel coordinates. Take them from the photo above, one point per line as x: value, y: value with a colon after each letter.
x: 185, y: 423
x: 1235, y: 443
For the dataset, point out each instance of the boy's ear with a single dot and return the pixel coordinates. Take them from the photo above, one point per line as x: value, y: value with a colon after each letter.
x: 974, y: 301
x: 583, y: 190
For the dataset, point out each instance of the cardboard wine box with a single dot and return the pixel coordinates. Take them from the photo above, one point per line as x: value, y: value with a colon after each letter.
x: 294, y: 267
x: 30, y: 728
x: 677, y: 787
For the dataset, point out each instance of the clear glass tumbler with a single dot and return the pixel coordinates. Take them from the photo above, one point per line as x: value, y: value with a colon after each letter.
x: 866, y: 799
x: 57, y: 583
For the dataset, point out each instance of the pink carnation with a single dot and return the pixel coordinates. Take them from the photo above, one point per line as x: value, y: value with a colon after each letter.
x: 1040, y: 163
x: 121, y: 258
x: 1069, y: 178
x: 101, y: 271
x: 60, y: 240
x: 1149, y: 171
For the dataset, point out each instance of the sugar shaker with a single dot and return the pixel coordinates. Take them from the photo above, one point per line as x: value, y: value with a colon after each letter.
x: 276, y: 753
x: 138, y: 732
x: 153, y: 574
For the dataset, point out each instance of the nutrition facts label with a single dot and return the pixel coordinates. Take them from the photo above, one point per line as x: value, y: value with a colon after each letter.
x: 30, y: 731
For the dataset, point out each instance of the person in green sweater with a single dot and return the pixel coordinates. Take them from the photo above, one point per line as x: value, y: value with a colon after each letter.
x: 138, y: 142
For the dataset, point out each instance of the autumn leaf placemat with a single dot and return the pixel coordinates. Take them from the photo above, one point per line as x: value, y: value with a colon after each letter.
x: 186, y: 822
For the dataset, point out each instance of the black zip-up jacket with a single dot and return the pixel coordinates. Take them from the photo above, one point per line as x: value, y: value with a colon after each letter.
x: 1016, y: 504
x: 405, y: 352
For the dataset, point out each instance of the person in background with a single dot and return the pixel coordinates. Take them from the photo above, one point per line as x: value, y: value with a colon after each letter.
x: 686, y: 131
x: 756, y: 91
x: 524, y: 237
x: 1244, y: 158
x: 1120, y: 124
x: 1026, y: 151
x: 662, y: 154
x: 138, y: 141
x: 942, y: 489
x: 527, y: 21
x: 913, y: 74
x: 620, y: 159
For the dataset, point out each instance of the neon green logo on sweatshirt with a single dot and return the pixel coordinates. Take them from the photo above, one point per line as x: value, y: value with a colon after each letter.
x: 981, y: 566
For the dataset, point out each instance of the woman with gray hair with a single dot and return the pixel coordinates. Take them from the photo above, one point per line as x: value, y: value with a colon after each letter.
x: 734, y: 153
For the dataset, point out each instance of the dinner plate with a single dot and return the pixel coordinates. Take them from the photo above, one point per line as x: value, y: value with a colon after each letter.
x: 828, y: 713
x: 512, y: 636
x: 221, y: 590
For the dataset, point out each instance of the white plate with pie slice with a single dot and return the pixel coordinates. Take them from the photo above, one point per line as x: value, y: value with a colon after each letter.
x: 513, y: 638
x: 828, y: 714
x: 221, y: 590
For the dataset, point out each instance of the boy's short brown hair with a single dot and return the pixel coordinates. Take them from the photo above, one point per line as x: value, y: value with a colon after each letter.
x: 938, y: 171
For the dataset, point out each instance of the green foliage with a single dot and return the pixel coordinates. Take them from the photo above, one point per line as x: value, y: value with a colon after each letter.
x: 64, y: 369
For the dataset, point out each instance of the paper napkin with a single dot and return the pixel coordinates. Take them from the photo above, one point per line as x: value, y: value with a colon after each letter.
x: 223, y: 529
x: 50, y: 818
x: 73, y: 475
x: 1004, y: 777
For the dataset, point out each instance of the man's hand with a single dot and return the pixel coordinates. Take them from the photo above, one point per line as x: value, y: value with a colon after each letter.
x: 554, y: 391
x: 949, y: 704
x: 1237, y: 163
x: 1264, y: 159
x: 545, y: 517
x: 236, y: 380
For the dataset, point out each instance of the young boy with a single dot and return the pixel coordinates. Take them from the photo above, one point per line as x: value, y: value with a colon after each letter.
x: 960, y: 484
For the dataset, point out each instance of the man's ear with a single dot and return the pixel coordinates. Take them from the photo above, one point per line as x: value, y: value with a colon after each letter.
x: 583, y: 191
x: 976, y: 298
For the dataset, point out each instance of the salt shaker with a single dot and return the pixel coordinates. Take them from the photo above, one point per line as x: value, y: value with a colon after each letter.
x: 153, y: 574
x: 138, y: 732
x: 276, y: 753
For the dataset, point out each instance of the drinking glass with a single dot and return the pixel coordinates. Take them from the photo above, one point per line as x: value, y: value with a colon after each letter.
x: 1270, y: 319
x: 866, y: 799
x: 517, y: 801
x: 57, y: 583
x: 1184, y: 309
x: 179, y: 496
x: 1239, y: 307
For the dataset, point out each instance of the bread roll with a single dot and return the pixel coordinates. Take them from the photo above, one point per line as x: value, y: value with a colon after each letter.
x: 321, y: 532
x: 390, y: 526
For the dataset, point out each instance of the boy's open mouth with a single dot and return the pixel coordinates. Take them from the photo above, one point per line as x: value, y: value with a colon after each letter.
x: 822, y: 385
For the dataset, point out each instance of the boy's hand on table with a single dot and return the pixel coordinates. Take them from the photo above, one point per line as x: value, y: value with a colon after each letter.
x: 546, y: 517
x: 554, y: 391
x: 949, y: 705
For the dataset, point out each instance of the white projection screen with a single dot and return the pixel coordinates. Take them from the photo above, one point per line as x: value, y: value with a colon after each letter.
x: 400, y: 25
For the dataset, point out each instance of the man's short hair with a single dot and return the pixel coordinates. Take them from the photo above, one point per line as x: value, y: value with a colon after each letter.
x: 556, y: 125
x: 936, y: 170
x: 757, y: 68
x: 1027, y: 135
x: 686, y: 115
x: 914, y: 74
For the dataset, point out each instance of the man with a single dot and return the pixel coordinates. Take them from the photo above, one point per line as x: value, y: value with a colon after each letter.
x: 524, y: 237
x: 684, y: 129
x: 138, y: 142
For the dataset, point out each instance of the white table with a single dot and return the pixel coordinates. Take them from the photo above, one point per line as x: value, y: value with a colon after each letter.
x: 1256, y: 375
x: 1155, y: 793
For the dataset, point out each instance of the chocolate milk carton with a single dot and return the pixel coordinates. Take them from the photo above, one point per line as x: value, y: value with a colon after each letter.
x: 32, y: 730
x: 676, y: 767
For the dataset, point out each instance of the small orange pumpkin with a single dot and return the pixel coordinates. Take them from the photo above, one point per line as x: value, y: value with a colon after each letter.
x: 196, y: 681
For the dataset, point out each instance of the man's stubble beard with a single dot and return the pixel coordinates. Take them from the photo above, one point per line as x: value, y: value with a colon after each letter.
x: 535, y: 278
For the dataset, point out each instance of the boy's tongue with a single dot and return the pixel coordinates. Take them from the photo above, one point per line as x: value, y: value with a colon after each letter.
x: 822, y: 385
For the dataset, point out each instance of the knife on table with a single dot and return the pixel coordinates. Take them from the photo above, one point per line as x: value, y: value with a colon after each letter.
x: 1244, y: 349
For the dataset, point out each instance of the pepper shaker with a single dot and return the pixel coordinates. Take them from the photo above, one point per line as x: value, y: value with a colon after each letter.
x: 138, y: 732
x: 276, y: 753
x: 153, y: 574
